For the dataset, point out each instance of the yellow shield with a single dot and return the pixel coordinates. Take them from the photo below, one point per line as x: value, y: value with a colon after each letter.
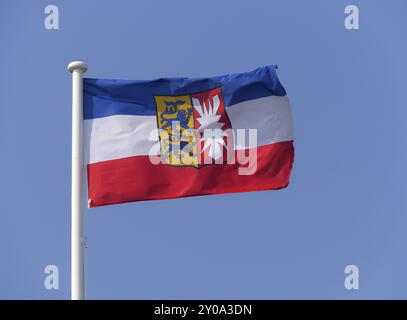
x: 175, y: 121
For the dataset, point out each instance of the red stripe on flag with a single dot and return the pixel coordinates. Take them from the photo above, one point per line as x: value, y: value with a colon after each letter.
x: 136, y: 178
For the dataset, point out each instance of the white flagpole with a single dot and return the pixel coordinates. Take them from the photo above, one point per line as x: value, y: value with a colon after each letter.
x: 77, y: 68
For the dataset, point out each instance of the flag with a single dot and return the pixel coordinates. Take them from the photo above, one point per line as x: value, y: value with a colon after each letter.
x: 180, y: 137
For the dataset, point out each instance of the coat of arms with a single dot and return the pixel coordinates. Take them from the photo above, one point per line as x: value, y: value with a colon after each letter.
x: 194, y: 129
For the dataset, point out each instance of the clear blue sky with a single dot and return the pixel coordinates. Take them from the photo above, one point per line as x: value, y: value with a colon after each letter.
x: 346, y: 203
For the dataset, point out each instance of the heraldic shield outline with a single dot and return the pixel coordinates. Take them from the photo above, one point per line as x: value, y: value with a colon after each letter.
x: 194, y: 129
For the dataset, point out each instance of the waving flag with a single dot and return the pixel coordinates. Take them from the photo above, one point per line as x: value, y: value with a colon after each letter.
x: 180, y: 137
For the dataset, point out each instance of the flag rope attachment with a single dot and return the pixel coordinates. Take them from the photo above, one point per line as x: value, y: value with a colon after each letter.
x: 77, y: 68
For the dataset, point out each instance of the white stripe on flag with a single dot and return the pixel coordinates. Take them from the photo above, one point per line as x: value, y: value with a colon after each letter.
x: 122, y: 136
x: 271, y: 116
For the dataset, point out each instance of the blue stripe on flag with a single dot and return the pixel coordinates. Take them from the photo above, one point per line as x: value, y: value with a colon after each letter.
x: 103, y: 98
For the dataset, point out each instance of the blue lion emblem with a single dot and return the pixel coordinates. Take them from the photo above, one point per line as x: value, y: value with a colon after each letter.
x: 171, y: 110
x: 173, y: 113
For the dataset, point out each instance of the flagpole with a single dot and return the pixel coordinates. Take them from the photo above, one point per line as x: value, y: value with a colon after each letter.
x: 77, y: 68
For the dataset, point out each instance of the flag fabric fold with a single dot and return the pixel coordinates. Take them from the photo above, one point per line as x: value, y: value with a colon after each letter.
x: 180, y: 137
